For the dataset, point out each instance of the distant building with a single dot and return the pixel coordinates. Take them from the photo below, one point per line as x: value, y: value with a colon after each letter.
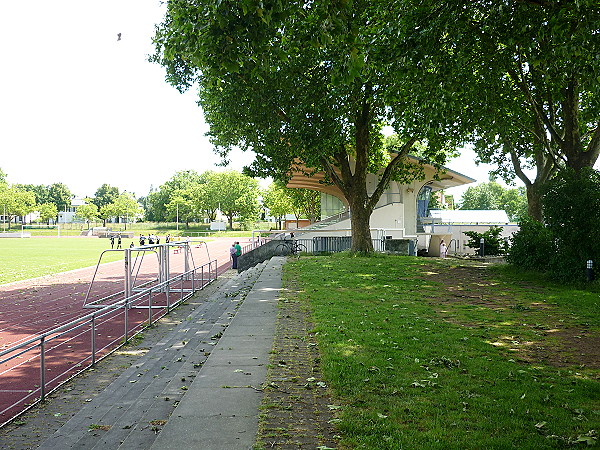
x: 400, y: 213
x: 450, y: 225
x: 69, y: 214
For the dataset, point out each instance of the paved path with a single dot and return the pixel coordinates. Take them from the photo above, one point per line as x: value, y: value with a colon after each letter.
x: 199, y: 387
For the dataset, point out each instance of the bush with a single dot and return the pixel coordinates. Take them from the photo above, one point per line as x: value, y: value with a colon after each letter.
x: 494, y: 244
x: 572, y: 213
x: 531, y: 247
x: 569, y: 238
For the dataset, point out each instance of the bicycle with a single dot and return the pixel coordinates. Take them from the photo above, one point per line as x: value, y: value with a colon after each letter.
x: 290, y: 248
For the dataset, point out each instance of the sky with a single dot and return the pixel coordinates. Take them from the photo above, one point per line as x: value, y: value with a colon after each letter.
x: 79, y: 107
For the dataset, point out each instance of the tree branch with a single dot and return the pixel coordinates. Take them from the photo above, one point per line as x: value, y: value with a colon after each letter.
x: 335, y: 178
x: 594, y: 145
x: 389, y: 170
x: 517, y: 165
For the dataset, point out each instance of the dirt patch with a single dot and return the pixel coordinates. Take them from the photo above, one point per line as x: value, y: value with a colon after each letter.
x: 471, y: 284
x: 296, y: 409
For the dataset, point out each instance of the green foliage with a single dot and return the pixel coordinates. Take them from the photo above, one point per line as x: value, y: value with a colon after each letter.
x: 274, y: 198
x: 190, y: 196
x: 237, y: 195
x: 569, y: 237
x: 88, y: 211
x: 15, y: 202
x: 527, y: 74
x: 181, y: 207
x: 305, y: 203
x: 155, y: 204
x: 532, y: 247
x: 572, y: 213
x: 494, y: 244
x: 41, y: 192
x: 60, y: 195
x: 308, y: 84
x: 47, y: 211
x: 105, y: 195
x: 493, y: 196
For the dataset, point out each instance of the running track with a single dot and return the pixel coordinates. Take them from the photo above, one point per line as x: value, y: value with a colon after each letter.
x: 31, y: 307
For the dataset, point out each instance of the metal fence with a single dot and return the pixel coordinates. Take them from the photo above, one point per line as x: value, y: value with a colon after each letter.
x: 64, y: 352
x: 331, y: 244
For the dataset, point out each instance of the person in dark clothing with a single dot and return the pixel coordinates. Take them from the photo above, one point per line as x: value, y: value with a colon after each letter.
x: 234, y: 256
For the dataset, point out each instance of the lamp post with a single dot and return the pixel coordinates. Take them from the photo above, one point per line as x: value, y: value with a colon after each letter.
x: 482, y: 247
x: 589, y: 270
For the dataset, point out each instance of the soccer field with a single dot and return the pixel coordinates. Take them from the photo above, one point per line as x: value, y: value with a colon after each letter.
x: 25, y: 258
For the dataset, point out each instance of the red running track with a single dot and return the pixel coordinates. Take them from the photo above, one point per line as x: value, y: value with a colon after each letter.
x: 32, y: 307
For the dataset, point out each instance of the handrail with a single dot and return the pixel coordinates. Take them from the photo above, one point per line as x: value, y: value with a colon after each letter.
x: 42, y: 339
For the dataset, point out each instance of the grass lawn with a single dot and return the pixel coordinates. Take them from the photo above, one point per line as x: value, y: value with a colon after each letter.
x: 418, y: 357
x: 25, y: 258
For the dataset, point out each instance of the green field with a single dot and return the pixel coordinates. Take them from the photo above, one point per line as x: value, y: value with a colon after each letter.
x: 25, y: 258
x: 441, y: 354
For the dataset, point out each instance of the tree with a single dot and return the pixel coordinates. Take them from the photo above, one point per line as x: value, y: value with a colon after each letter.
x: 156, y: 201
x: 106, y: 212
x: 2, y: 177
x: 126, y: 206
x: 305, y: 203
x: 274, y: 198
x: 60, y: 195
x: 482, y: 196
x: 527, y: 74
x: 237, y: 195
x: 308, y: 86
x: 493, y: 196
x: 15, y: 202
x: 41, y: 192
x: 104, y: 196
x: 88, y: 211
x: 47, y: 211
x: 182, y: 207
x: 206, y: 195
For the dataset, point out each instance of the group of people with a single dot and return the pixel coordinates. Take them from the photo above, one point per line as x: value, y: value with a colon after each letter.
x: 112, y: 241
x: 153, y: 239
x: 235, y: 251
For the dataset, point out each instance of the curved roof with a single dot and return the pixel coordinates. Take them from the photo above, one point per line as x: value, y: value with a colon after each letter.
x: 447, y: 178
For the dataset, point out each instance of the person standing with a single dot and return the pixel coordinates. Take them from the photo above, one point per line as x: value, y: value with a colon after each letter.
x: 234, y: 256
x: 238, y: 249
x: 443, y: 249
x: 112, y: 241
x: 119, y: 241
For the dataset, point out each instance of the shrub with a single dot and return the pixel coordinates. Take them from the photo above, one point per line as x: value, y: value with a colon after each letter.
x: 532, y: 246
x: 494, y: 244
x: 572, y: 213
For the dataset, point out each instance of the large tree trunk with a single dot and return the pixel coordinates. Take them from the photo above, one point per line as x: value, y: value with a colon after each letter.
x: 534, y: 202
x: 545, y: 170
x: 361, y: 229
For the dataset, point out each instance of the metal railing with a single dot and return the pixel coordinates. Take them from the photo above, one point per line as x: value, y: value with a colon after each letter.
x: 329, y: 244
x: 51, y: 348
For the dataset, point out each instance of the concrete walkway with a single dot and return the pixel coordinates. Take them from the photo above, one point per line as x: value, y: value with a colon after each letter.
x: 200, y: 387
